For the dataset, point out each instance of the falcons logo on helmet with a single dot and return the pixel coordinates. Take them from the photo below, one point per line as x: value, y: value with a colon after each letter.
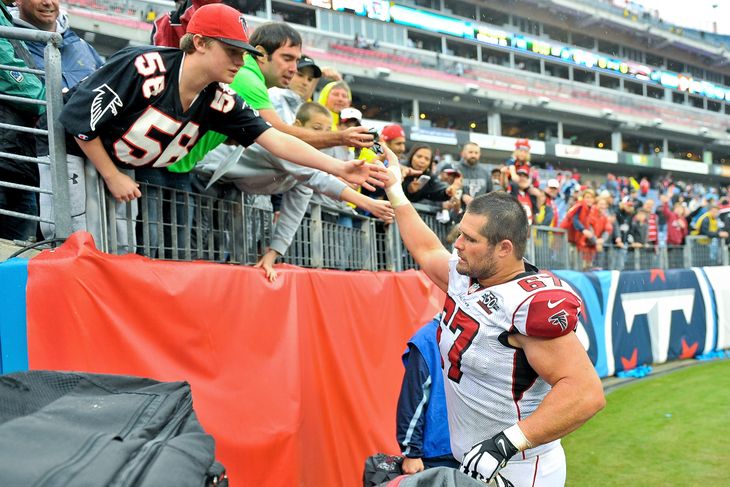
x: 106, y: 99
x: 559, y: 319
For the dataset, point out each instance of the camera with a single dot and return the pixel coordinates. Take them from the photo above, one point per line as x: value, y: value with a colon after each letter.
x: 377, y: 148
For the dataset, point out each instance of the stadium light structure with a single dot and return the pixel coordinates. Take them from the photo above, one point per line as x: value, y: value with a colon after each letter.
x: 471, y: 88
x: 382, y: 72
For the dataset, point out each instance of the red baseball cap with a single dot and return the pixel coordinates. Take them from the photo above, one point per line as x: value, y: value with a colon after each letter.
x: 391, y: 132
x: 522, y: 144
x: 222, y: 23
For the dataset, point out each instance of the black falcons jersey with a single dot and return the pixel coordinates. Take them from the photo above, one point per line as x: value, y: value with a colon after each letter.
x: 132, y: 104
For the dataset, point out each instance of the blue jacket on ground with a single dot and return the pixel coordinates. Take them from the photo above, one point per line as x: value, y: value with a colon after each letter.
x: 422, y: 426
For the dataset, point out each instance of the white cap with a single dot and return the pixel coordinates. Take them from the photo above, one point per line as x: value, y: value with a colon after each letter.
x: 350, y: 114
x: 553, y: 183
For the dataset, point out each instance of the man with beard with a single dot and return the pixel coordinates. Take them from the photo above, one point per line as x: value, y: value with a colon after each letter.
x: 477, y: 178
x: 516, y: 377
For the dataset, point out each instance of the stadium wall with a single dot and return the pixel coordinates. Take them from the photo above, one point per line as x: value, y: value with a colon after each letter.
x: 298, y: 380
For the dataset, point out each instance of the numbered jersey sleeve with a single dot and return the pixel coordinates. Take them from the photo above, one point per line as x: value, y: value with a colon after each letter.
x: 548, y: 313
x: 235, y: 118
x: 99, y: 99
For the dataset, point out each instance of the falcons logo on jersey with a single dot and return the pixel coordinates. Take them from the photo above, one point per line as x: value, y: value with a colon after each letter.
x: 559, y: 319
x: 106, y: 99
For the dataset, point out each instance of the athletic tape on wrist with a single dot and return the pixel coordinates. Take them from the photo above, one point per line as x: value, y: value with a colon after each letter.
x: 396, y: 196
x: 517, y: 437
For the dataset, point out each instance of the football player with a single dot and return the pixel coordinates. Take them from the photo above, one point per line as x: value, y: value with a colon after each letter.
x: 516, y: 377
x: 147, y: 106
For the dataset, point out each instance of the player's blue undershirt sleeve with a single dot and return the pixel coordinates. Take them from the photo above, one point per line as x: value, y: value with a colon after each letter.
x: 412, y: 405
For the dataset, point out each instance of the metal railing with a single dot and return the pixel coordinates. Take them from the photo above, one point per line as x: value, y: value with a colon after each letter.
x: 548, y: 247
x: 173, y: 224
x: 696, y: 252
x: 56, y: 161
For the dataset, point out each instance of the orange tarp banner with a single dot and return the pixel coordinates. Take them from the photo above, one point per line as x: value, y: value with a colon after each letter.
x: 297, y: 381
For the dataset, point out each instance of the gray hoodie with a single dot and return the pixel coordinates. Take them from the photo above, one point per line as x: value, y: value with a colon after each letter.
x: 260, y: 172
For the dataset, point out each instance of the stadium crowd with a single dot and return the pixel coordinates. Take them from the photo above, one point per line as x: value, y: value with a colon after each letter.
x: 296, y: 96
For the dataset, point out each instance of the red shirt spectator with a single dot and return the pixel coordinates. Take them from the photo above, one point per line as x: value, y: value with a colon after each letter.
x: 677, y: 227
x: 577, y: 218
x: 652, y: 234
x: 171, y: 26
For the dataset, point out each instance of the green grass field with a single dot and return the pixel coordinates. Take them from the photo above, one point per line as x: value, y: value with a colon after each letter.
x: 672, y: 430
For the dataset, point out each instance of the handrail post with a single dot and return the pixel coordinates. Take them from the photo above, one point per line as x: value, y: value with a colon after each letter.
x: 56, y: 139
x: 317, y: 240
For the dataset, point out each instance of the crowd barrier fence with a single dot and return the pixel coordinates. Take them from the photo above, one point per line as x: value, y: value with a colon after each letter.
x: 59, y: 190
x: 230, y: 230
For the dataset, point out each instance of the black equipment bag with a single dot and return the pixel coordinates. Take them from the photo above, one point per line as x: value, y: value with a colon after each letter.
x: 380, y: 468
x: 79, y: 429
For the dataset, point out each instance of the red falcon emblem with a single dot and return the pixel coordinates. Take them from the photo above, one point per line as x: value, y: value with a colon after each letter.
x: 559, y: 319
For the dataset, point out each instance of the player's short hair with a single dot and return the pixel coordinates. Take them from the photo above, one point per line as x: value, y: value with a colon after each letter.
x: 310, y: 108
x: 273, y: 35
x: 187, y: 44
x: 506, y: 219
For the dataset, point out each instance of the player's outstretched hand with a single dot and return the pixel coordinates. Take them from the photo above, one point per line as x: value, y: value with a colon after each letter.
x: 365, y: 175
x: 395, y: 170
x: 381, y: 209
x: 267, y: 264
x: 356, y: 137
x: 122, y: 187
x: 485, y: 460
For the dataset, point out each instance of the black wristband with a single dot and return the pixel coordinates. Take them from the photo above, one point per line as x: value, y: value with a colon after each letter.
x: 504, y: 447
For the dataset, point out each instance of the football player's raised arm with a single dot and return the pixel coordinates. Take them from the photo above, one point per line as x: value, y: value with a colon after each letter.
x: 423, y: 244
x: 576, y: 394
x: 121, y: 186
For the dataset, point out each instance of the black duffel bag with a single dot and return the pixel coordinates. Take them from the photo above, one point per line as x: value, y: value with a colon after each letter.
x: 79, y: 429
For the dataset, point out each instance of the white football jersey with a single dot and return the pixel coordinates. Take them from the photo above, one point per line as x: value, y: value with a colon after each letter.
x: 489, y: 384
